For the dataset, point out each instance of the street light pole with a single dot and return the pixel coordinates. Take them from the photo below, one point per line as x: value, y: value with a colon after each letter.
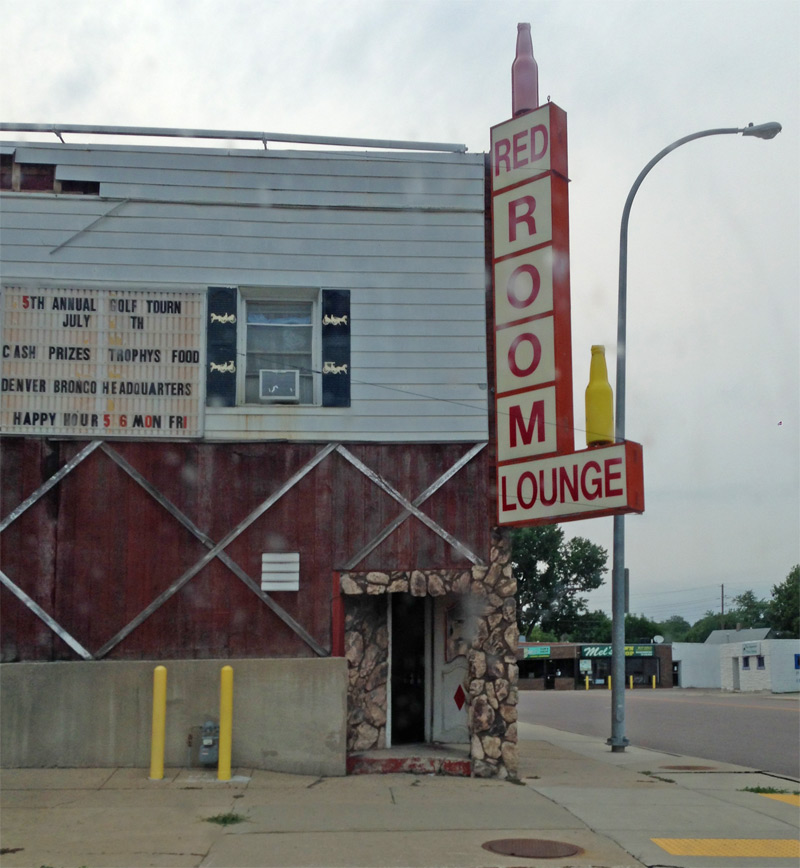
x: 618, y: 741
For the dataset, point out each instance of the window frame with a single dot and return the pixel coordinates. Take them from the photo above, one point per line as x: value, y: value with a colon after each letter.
x: 254, y: 294
x: 331, y: 352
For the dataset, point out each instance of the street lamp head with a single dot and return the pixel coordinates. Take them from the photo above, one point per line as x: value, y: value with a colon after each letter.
x: 762, y: 131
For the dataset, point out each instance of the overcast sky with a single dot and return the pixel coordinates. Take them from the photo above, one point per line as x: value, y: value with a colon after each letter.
x: 714, y: 273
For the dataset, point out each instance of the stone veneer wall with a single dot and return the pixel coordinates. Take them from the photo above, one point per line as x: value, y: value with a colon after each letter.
x: 492, y: 636
x: 366, y: 647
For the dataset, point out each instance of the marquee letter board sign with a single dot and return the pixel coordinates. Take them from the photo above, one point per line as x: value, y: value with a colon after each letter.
x: 540, y: 478
x: 101, y: 363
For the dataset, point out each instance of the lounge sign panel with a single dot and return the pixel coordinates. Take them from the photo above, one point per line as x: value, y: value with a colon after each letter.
x: 578, y: 485
x: 101, y: 362
x: 540, y: 478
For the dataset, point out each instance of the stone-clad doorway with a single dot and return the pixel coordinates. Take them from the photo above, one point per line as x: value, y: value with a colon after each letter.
x: 476, y: 615
x: 427, y: 685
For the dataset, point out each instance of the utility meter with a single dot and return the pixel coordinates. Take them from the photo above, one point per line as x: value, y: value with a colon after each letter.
x: 209, y: 744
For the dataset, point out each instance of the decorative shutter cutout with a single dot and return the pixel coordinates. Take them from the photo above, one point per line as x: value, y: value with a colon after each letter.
x: 335, y: 347
x: 280, y: 571
x: 221, y: 346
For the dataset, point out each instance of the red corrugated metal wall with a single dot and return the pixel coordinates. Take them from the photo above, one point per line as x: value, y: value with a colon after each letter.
x: 97, y: 549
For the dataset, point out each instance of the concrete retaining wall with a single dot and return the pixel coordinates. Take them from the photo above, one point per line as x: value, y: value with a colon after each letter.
x: 289, y: 715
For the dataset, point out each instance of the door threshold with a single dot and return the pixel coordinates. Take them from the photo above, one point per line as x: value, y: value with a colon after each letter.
x: 418, y: 759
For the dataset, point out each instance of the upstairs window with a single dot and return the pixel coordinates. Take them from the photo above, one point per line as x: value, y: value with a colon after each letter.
x: 280, y: 341
x: 268, y: 347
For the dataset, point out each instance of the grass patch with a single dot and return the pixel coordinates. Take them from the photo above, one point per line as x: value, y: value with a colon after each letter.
x: 656, y: 777
x: 770, y: 791
x: 229, y: 819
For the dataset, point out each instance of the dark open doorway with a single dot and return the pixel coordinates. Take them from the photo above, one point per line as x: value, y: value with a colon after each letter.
x: 408, y: 669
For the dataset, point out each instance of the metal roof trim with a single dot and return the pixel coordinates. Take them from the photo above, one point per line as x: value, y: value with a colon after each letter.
x: 167, y: 132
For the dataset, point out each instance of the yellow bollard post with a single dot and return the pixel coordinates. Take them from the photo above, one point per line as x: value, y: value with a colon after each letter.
x: 587, y: 682
x: 225, y: 724
x: 609, y: 682
x: 654, y: 682
x: 630, y: 681
x: 159, y: 723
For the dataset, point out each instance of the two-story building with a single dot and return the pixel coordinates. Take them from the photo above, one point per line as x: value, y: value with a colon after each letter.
x: 244, y: 419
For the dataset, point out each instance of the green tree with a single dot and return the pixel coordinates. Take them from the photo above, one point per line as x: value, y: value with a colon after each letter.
x: 749, y: 610
x: 701, y: 630
x: 536, y: 634
x: 551, y: 576
x: 592, y: 627
x: 784, y: 607
x: 638, y: 628
x: 675, y: 628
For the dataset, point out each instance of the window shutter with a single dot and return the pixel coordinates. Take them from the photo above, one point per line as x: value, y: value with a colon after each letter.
x: 221, y: 347
x: 335, y: 347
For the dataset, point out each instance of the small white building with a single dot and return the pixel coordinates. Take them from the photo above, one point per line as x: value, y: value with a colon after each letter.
x: 772, y: 664
x: 752, y: 662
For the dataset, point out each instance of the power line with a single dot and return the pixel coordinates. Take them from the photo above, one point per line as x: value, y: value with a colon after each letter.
x: 406, y: 391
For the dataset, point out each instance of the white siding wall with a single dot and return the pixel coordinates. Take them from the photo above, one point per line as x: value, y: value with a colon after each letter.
x: 699, y: 664
x: 403, y: 231
x: 780, y: 660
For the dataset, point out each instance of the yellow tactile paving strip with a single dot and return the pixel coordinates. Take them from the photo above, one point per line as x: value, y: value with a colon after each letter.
x: 765, y: 848
x: 789, y: 798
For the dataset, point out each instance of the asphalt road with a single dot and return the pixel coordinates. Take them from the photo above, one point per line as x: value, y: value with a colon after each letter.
x: 758, y: 730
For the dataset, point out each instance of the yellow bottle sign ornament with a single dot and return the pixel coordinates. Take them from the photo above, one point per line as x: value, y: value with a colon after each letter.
x: 599, y: 401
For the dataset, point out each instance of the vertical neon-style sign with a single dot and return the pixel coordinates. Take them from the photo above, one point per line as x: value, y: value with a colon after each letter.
x: 533, y: 354
x: 540, y: 477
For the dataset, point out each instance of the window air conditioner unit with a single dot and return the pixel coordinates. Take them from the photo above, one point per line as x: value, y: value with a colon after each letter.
x: 279, y: 385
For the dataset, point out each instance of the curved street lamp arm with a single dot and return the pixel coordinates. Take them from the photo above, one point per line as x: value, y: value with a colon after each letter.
x: 619, y: 422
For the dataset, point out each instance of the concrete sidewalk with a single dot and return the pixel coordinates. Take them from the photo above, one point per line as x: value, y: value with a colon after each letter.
x: 574, y: 791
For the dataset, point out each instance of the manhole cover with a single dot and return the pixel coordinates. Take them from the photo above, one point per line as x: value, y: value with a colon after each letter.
x: 689, y: 768
x: 532, y: 848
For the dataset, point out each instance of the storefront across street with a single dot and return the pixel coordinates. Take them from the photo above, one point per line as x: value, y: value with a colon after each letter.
x: 568, y: 665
